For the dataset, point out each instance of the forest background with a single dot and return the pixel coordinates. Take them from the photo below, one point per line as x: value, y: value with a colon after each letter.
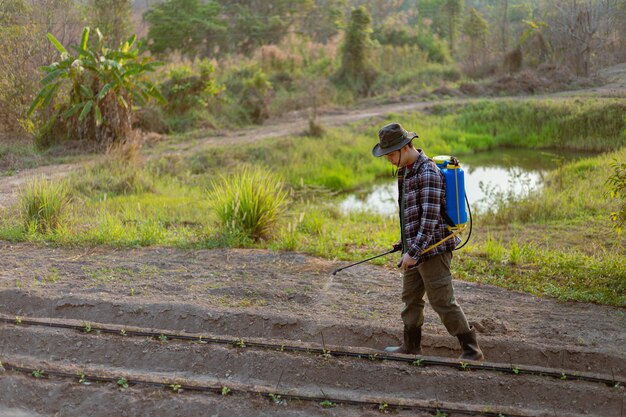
x: 227, y: 63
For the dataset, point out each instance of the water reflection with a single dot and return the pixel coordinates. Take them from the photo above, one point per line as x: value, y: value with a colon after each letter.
x: 488, y: 176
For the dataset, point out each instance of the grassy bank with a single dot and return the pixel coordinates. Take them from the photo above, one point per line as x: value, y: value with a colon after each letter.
x: 557, y: 243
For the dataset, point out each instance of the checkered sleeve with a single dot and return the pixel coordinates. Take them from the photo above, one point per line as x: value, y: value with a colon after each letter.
x: 424, y: 221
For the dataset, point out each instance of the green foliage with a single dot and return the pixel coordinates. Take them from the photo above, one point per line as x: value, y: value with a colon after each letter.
x: 476, y: 29
x: 113, y: 18
x: 101, y: 85
x: 356, y: 71
x: 452, y: 10
x: 617, y: 190
x: 248, y: 202
x: 188, y: 91
x: 251, y: 91
x: 422, y: 37
x: 43, y: 205
x: 253, y: 24
x: 185, y: 26
x: 325, y: 20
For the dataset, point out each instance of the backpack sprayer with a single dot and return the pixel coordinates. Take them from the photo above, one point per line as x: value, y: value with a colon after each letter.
x: 455, y: 213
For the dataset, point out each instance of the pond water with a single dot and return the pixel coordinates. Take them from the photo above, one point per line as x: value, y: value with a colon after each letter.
x: 509, y: 172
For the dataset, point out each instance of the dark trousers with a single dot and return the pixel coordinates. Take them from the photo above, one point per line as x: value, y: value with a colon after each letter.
x: 434, y: 279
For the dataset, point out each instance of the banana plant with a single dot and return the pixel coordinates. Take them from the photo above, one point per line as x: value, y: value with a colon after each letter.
x: 101, y: 86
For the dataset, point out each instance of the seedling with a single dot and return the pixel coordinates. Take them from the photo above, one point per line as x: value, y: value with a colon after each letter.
x: 122, y: 382
x: 417, y: 362
x: 464, y: 365
x: 200, y: 340
x: 516, y: 370
x: 225, y: 390
x: 1, y: 367
x: 372, y: 356
x: 18, y: 320
x: 440, y: 414
x: 239, y: 343
x: 162, y: 338
x: 326, y: 353
x: 82, y: 379
x: 86, y: 327
x: 276, y: 399
x: 328, y: 404
x: 132, y: 292
x: 38, y: 373
x: 383, y: 407
x: 563, y: 376
x: 175, y: 387
x: 123, y: 332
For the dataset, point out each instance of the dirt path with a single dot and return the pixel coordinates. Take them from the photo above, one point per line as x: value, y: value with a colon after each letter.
x: 285, y: 299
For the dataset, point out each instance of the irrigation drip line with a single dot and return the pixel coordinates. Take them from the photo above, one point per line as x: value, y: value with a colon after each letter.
x: 274, y: 396
x: 415, y: 360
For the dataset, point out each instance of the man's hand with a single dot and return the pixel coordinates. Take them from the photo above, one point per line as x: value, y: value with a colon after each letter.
x: 406, y: 262
x: 397, y: 246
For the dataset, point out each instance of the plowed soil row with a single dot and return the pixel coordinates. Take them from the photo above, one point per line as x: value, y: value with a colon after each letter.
x: 297, y: 374
x: 285, y: 298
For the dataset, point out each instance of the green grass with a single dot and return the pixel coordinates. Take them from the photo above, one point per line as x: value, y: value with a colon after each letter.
x: 43, y: 204
x: 248, y: 202
x: 566, y: 275
x: 589, y: 125
x: 557, y: 243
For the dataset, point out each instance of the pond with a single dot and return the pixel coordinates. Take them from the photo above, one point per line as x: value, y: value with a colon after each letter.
x: 510, y: 172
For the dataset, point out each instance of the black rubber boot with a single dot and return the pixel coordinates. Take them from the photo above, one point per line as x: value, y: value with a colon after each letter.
x: 471, y: 350
x: 411, y: 344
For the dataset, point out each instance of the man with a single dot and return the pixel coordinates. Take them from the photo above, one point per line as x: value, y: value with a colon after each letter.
x: 421, y: 198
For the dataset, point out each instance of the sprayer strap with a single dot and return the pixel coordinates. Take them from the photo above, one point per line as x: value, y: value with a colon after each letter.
x: 443, y: 210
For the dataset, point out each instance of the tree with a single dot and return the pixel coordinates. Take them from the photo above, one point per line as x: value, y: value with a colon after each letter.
x: 476, y: 29
x: 189, y: 26
x: 324, y: 20
x: 253, y: 23
x: 356, y: 71
x: 24, y: 49
x: 113, y: 18
x: 575, y: 30
x: 99, y: 86
x: 503, y: 8
x: 452, y: 9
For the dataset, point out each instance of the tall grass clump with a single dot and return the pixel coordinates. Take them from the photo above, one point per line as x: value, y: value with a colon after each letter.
x: 249, y: 202
x: 43, y: 205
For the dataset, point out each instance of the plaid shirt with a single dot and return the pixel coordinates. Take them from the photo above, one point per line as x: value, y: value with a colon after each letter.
x: 422, y: 193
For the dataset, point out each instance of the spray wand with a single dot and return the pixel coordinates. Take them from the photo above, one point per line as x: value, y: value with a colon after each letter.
x: 395, y: 249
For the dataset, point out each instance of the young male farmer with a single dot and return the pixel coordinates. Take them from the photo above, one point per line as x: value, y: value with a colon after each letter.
x: 421, y: 195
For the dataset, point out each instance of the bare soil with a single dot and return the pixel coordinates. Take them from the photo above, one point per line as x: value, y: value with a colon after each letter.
x: 286, y: 299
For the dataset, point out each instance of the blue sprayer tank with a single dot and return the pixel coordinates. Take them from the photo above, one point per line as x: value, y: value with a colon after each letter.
x: 455, y: 188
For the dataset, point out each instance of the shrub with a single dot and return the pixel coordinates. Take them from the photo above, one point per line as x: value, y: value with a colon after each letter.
x: 92, y: 93
x: 251, y: 93
x: 43, y: 204
x: 617, y: 190
x: 249, y: 202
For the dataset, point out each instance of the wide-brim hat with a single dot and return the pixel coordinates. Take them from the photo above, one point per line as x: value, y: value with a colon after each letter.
x: 392, y: 137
